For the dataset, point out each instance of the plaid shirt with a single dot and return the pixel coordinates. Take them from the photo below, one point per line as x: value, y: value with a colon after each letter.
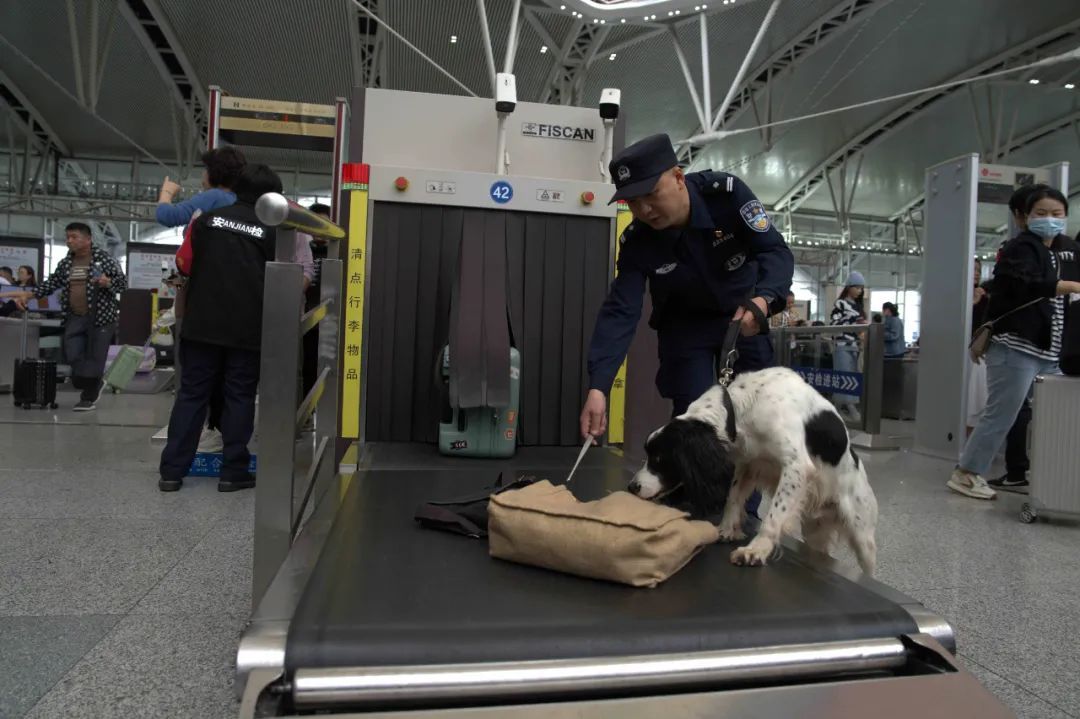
x: 103, y: 302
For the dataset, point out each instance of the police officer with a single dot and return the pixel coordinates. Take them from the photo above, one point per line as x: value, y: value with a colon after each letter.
x: 708, y: 250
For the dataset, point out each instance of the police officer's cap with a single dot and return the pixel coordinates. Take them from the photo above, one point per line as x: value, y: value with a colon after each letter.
x: 637, y: 168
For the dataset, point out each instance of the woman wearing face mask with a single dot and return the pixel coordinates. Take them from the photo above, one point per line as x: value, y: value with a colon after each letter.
x: 1028, y: 305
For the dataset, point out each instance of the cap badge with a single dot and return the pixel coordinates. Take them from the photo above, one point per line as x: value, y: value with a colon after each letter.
x: 624, y: 173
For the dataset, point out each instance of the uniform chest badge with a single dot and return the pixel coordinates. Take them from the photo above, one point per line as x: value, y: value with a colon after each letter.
x: 720, y: 237
x: 665, y: 269
x: 754, y: 215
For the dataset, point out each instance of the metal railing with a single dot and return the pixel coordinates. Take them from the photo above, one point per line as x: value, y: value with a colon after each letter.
x: 280, y: 499
x: 809, y: 351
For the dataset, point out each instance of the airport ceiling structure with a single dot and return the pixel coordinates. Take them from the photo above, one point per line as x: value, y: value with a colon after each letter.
x: 127, y: 78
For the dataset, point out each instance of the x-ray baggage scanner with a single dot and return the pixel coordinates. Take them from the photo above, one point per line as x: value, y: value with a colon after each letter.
x: 370, y: 615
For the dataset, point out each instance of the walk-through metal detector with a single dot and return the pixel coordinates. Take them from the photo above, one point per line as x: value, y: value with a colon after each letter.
x: 954, y: 191
x: 422, y: 187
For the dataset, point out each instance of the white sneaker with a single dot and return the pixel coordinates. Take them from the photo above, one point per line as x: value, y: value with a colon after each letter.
x: 970, y: 485
x: 211, y: 442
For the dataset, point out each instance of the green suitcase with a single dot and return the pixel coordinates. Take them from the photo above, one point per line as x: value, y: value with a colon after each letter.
x: 482, y: 431
x: 119, y: 374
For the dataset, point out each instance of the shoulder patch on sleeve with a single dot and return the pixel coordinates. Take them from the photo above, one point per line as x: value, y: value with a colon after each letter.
x: 755, y: 217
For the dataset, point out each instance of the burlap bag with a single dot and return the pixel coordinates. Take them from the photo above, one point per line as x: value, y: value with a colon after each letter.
x: 620, y: 538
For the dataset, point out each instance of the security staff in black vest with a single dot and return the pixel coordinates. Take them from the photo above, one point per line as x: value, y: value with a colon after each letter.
x: 222, y: 332
x: 711, y: 256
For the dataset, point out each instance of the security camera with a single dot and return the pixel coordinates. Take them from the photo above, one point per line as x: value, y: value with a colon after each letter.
x: 609, y: 103
x: 505, y: 92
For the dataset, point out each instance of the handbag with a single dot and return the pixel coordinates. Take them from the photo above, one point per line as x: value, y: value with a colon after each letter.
x: 980, y: 340
x: 620, y: 538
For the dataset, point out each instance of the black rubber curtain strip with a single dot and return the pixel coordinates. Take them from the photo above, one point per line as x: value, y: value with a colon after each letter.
x: 496, y: 332
x: 479, y: 337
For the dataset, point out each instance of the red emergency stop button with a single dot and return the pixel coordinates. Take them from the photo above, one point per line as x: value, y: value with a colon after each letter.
x: 587, y: 197
x: 401, y: 183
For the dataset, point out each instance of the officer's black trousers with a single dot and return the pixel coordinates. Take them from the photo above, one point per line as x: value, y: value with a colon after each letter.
x: 206, y: 365
x: 686, y: 375
x: 693, y: 371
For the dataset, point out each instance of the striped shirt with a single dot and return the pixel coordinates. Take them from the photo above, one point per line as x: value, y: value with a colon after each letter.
x: 1057, y: 329
x: 845, y: 312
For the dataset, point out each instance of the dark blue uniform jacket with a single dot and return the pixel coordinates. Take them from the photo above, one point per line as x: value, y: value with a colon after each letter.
x: 698, y: 275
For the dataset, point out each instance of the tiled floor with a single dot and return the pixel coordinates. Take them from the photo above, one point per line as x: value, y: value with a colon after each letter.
x: 115, y: 600
x: 119, y: 601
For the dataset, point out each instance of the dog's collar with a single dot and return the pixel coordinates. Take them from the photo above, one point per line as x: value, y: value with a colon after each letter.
x: 729, y: 410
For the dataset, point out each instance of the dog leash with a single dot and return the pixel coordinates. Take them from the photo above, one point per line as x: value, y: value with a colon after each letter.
x: 729, y: 355
x: 728, y: 352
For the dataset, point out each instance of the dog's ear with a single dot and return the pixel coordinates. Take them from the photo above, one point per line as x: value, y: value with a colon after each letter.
x: 704, y: 465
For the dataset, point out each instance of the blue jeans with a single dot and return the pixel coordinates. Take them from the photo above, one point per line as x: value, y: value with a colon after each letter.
x: 1010, y: 375
x: 846, y: 359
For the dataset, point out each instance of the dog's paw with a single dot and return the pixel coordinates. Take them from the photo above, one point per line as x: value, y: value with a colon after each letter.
x: 754, y: 554
x: 731, y: 534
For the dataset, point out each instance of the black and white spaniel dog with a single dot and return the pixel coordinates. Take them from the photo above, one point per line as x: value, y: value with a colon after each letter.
x: 770, y: 431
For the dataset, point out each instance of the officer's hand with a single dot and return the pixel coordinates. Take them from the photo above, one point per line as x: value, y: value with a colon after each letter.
x: 594, y: 415
x: 749, y: 326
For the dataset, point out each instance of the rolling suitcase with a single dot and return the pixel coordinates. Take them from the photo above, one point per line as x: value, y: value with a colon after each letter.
x: 1055, y: 464
x: 127, y: 360
x: 481, y: 431
x: 35, y: 379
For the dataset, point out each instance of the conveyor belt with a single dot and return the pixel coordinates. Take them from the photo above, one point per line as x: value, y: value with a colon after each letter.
x: 386, y: 592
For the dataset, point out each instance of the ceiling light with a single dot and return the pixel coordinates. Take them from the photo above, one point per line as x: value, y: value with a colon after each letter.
x: 697, y: 8
x: 453, y: 38
x: 1069, y: 86
x: 623, y: 20
x: 670, y: 13
x: 704, y: 6
x: 543, y: 49
x: 611, y: 56
x: 562, y: 7
x: 603, y: 22
x: 678, y: 12
x: 653, y: 17
x: 595, y: 21
x: 1033, y: 81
